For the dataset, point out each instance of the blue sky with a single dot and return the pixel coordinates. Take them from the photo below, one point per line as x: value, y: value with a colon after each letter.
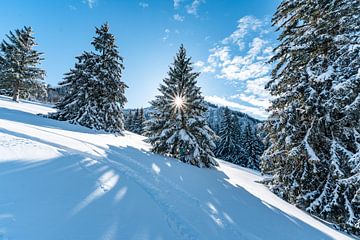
x: 229, y: 42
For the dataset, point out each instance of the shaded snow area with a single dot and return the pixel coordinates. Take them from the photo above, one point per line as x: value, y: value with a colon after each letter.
x: 64, y: 182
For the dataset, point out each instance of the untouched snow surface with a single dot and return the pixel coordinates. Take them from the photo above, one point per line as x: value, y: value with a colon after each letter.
x: 64, y: 182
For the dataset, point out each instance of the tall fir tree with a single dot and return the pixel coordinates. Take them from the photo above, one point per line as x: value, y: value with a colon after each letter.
x: 19, y: 63
x: 314, y: 126
x: 95, y: 96
x: 177, y: 127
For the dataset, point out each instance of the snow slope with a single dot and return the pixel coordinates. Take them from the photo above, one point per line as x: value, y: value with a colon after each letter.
x: 64, y: 182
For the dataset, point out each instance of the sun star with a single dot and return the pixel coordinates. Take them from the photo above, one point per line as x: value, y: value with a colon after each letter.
x: 178, y: 101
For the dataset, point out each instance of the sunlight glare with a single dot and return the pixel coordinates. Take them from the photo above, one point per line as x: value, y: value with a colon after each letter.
x: 178, y: 101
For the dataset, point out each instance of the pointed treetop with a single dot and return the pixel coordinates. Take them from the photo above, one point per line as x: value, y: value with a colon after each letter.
x: 104, y: 41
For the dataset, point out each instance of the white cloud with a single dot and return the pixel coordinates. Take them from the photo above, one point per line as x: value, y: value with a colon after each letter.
x: 253, y: 100
x: 143, y: 4
x: 177, y: 3
x: 257, y: 87
x: 245, y: 24
x: 193, y: 7
x: 241, y: 58
x: 256, y: 46
x: 90, y: 3
x: 221, y: 101
x: 199, y: 64
x: 208, y: 69
x: 243, y: 72
x: 178, y: 17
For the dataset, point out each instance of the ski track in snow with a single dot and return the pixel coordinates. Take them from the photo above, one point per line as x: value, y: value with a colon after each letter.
x: 157, y: 192
x: 179, y: 225
x: 190, y: 200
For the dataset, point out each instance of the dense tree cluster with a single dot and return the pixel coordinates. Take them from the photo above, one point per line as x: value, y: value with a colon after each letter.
x: 238, y: 145
x: 135, y: 121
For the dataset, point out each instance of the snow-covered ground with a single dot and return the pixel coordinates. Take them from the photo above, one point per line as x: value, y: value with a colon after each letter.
x: 64, y: 182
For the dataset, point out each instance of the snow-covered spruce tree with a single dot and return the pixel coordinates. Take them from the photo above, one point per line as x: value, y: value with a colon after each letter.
x: 129, y: 121
x: 135, y: 121
x: 252, y: 147
x: 314, y: 126
x: 228, y: 146
x: 19, y: 63
x: 177, y: 127
x: 139, y: 121
x: 95, y: 96
x: 5, y: 84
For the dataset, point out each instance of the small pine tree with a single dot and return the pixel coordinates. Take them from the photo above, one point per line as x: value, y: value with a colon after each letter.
x: 18, y: 61
x: 95, y: 97
x: 177, y: 127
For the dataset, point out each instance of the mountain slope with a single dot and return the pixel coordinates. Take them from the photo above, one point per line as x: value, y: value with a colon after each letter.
x: 214, y: 116
x: 61, y: 181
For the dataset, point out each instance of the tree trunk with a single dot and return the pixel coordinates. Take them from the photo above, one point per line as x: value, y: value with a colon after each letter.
x: 16, y: 91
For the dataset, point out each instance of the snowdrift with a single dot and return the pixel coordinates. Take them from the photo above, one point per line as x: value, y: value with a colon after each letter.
x: 64, y: 182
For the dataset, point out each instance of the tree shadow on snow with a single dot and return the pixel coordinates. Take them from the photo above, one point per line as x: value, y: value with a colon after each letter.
x: 214, y: 202
x: 40, y: 121
x: 128, y: 193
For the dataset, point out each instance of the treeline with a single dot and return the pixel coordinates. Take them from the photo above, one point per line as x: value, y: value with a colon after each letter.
x: 238, y: 141
x: 135, y: 121
x: 237, y: 144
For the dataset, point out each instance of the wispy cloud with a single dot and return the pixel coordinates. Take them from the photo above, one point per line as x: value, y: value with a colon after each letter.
x: 222, y: 101
x: 193, y: 7
x: 245, y: 25
x: 241, y: 58
x: 72, y: 7
x: 177, y: 3
x: 143, y: 4
x: 166, y: 34
x: 90, y: 3
x: 178, y: 17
